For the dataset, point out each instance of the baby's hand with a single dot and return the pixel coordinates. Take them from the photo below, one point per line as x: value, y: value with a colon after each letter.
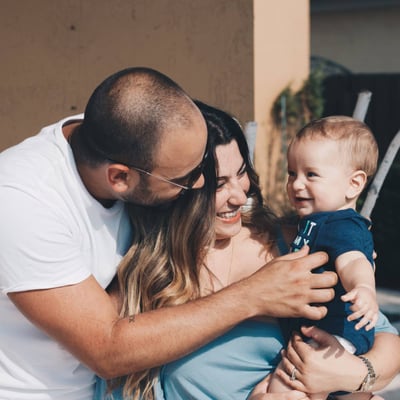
x: 364, y: 306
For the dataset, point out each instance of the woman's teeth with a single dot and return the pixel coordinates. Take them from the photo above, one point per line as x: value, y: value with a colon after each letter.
x: 228, y: 215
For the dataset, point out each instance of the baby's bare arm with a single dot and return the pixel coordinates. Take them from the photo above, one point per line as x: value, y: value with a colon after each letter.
x: 357, y: 277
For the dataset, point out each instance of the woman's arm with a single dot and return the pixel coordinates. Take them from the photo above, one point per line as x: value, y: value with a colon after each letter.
x: 331, y: 368
x: 381, y: 356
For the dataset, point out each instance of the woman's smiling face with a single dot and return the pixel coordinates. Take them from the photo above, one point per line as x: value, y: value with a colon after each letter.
x: 231, y: 195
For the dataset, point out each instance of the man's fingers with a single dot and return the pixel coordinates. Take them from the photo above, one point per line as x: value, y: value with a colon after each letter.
x: 314, y: 260
x: 289, y: 284
x: 314, y: 312
x: 321, y: 295
x: 324, y: 280
x: 296, y: 254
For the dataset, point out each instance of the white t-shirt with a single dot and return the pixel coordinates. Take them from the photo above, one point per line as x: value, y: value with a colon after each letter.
x: 52, y: 233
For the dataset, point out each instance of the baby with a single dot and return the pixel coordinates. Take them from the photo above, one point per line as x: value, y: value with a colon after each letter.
x: 330, y: 161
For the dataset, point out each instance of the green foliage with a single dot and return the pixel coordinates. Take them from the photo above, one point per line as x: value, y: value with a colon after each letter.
x: 302, y: 106
x: 312, y: 95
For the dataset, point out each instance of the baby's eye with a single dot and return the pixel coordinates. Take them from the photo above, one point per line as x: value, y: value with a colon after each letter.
x: 311, y: 174
x: 291, y: 173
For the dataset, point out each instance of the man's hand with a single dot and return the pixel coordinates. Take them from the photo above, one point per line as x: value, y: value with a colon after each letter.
x: 286, y: 286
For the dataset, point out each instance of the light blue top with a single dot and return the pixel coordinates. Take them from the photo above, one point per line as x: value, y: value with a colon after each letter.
x: 227, y: 368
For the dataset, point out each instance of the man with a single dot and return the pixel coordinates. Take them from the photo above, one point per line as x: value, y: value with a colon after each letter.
x: 64, y: 230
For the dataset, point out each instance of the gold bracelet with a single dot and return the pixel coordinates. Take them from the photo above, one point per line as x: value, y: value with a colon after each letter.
x: 370, y: 378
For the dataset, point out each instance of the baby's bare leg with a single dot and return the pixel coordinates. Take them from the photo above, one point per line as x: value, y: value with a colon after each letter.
x: 276, y: 385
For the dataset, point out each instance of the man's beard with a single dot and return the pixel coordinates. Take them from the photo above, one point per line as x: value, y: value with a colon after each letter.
x: 143, y: 196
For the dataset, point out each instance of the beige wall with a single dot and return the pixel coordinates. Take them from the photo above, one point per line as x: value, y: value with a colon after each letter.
x: 363, y: 40
x: 281, y: 54
x: 236, y: 54
x: 55, y: 52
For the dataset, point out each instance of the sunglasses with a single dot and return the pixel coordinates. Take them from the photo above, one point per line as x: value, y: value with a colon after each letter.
x: 190, y: 179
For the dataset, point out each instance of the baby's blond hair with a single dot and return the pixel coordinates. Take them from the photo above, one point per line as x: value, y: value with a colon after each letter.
x: 357, y: 142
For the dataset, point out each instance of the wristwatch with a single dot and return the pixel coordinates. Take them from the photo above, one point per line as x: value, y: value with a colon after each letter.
x: 370, y: 378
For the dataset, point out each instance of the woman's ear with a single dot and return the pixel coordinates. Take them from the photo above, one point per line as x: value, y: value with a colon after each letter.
x: 357, y: 182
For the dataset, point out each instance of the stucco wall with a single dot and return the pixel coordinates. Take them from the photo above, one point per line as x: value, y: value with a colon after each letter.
x: 54, y: 53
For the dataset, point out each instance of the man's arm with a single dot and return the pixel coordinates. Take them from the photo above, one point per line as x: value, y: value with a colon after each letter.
x: 83, y: 318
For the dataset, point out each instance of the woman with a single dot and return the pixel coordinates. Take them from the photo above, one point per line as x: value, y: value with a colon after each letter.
x: 176, y: 257
x: 232, y: 365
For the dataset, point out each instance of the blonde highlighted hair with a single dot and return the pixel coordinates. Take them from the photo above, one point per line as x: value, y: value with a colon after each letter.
x: 161, y: 268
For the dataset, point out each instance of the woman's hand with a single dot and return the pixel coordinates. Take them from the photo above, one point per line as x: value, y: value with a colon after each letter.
x: 260, y: 393
x: 328, y: 367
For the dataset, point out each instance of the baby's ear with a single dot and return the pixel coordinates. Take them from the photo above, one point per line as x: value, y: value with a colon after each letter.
x: 357, y: 182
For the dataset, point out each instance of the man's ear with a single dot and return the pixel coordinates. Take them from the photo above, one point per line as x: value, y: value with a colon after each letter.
x: 120, y: 178
x: 357, y: 182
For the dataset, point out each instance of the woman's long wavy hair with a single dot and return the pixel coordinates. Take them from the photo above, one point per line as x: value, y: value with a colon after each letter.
x: 223, y: 129
x: 169, y: 244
